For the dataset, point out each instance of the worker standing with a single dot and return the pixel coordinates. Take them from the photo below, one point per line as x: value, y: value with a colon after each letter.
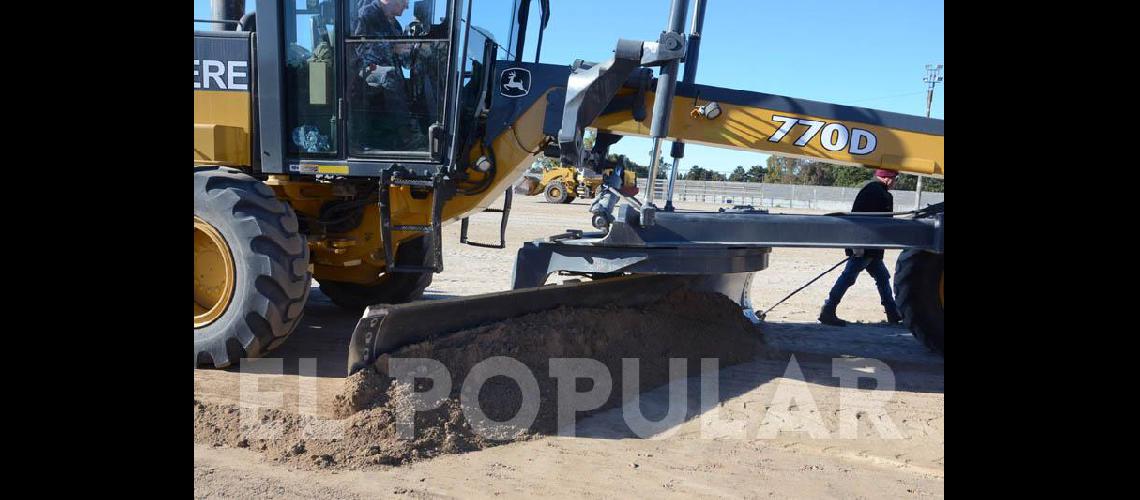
x: 875, y: 196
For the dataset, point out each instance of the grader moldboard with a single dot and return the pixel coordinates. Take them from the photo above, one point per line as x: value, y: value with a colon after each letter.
x: 286, y: 191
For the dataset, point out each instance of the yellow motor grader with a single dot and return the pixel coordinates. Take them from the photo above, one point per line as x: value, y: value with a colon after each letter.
x: 305, y: 167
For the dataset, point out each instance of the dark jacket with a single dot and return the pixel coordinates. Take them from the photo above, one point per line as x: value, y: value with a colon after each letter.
x: 391, y: 94
x: 873, y: 197
x: 372, y: 23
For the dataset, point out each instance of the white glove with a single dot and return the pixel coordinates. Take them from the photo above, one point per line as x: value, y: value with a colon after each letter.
x: 379, y: 76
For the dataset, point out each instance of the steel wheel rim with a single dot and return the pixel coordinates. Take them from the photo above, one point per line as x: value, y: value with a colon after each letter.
x: 213, y: 274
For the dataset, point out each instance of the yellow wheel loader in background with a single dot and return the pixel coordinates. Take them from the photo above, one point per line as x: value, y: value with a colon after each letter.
x: 291, y: 182
x: 565, y: 184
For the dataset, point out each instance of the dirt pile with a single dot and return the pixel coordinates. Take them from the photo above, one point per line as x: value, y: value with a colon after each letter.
x: 685, y: 324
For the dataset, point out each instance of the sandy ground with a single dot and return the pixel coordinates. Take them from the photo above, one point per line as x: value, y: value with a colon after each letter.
x: 606, y: 459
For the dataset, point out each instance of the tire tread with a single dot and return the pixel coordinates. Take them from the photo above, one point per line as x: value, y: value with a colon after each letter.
x: 280, y: 277
x: 917, y: 297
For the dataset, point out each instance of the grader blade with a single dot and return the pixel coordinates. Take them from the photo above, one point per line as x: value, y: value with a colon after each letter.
x: 385, y: 328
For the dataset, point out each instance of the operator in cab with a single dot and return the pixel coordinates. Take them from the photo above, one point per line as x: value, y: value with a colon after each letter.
x: 383, y: 120
x: 875, y: 196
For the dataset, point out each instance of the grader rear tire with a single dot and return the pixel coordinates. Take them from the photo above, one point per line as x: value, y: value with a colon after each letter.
x: 919, y: 292
x: 251, y: 268
x: 392, y: 288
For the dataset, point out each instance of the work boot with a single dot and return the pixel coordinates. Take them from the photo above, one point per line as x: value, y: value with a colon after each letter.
x: 893, y: 316
x: 827, y: 316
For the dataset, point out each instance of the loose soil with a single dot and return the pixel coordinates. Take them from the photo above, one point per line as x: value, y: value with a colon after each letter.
x: 685, y: 324
x: 606, y: 459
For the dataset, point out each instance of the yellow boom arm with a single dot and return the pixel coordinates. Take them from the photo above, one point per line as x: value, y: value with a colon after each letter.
x: 763, y: 129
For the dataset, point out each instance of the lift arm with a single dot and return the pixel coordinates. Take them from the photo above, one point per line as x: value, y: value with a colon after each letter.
x: 755, y: 121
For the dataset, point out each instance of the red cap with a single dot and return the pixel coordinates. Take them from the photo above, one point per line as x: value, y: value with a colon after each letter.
x: 882, y: 172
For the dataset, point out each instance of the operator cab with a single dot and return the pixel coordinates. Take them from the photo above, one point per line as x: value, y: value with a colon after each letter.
x: 377, y: 96
x: 366, y: 85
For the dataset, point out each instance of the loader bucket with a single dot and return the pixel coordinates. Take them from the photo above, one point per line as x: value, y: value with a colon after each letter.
x: 385, y: 328
x: 529, y: 186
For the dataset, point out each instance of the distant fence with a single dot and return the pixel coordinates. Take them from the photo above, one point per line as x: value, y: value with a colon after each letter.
x: 761, y: 194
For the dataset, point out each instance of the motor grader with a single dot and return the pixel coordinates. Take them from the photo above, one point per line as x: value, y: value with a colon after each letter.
x: 285, y: 190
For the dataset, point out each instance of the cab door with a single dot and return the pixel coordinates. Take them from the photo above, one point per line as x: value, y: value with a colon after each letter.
x: 312, y: 79
x: 396, y: 59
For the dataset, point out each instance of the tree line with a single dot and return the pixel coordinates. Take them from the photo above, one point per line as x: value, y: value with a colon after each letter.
x: 787, y: 170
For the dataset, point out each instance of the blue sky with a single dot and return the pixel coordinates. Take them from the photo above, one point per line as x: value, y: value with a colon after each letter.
x: 864, y: 53
x: 858, y: 52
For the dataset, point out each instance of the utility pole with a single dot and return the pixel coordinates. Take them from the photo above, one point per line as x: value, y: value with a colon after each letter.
x: 933, y: 77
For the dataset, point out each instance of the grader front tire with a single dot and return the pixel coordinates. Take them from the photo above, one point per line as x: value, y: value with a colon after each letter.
x: 919, y: 285
x: 251, y: 268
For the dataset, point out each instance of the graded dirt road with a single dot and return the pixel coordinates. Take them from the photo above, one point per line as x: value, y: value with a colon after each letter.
x: 733, y: 451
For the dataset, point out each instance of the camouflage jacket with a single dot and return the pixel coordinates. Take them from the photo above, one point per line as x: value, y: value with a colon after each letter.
x: 372, y: 23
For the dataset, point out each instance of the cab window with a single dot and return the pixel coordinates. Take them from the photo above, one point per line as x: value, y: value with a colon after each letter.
x: 311, y: 77
x: 397, y: 60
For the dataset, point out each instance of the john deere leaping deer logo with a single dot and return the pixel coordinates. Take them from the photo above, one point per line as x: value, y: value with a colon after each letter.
x: 514, y: 82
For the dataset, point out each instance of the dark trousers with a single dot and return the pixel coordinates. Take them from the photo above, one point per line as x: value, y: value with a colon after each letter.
x: 855, y: 265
